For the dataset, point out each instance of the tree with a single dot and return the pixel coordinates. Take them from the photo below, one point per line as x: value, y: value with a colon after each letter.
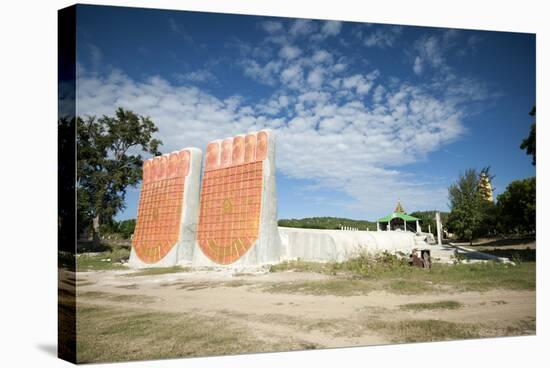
x: 327, y: 223
x: 529, y: 143
x: 108, y: 162
x: 126, y: 228
x: 470, y: 212
x: 517, y: 206
x: 66, y: 184
x: 428, y: 220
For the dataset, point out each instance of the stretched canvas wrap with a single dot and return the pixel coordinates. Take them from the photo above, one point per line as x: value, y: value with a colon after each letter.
x: 234, y: 184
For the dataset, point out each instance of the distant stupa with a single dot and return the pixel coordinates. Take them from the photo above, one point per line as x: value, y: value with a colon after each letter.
x: 484, y: 187
x: 399, y: 208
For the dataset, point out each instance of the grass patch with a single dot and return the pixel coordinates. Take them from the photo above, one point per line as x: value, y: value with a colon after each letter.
x: 85, y: 283
x: 393, y: 274
x: 484, y: 276
x: 408, y: 287
x: 235, y: 283
x: 192, y: 286
x: 447, y: 304
x: 107, y: 260
x: 524, y: 327
x: 321, y: 287
x: 425, y: 330
x: 301, y: 266
x: 120, y: 334
x: 158, y: 271
x: 120, y: 298
x: 364, y: 264
x: 436, y: 330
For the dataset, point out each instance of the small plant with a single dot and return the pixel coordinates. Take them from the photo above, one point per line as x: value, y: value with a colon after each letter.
x: 447, y: 304
x: 457, y: 257
x: 516, y: 258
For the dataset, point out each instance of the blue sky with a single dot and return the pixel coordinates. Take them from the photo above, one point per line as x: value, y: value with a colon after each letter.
x: 364, y: 114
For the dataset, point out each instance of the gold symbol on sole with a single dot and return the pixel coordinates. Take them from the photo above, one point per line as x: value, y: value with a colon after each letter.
x: 227, y: 206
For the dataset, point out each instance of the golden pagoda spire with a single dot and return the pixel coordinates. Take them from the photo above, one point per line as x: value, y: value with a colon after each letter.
x: 399, y: 207
x: 485, y: 188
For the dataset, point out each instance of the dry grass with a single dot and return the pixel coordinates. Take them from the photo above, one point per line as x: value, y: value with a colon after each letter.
x: 389, y: 273
x: 157, y: 271
x: 447, y: 304
x: 120, y: 298
x: 116, y: 334
x: 341, y: 287
x: 108, y: 260
x: 425, y: 330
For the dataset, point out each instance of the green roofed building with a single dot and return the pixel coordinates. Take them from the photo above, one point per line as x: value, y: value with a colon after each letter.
x: 398, y: 220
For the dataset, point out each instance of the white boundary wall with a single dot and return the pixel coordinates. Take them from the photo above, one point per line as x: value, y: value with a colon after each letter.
x: 339, y: 245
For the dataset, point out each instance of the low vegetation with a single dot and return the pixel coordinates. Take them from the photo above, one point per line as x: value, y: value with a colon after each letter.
x: 107, y: 334
x: 321, y: 287
x: 425, y: 330
x: 446, y: 304
x: 158, y: 271
x: 334, y: 223
x: 364, y: 264
x: 120, y: 298
x: 392, y: 273
x: 111, y: 258
x: 110, y: 334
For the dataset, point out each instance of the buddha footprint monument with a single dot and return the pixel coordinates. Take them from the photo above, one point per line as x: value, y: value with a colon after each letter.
x: 233, y: 221
x: 238, y: 203
x: 228, y: 218
x: 168, y: 210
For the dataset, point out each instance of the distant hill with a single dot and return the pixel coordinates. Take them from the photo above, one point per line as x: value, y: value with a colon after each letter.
x: 327, y: 223
x: 335, y: 223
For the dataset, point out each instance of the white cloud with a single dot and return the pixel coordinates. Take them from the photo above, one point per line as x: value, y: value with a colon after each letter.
x: 272, y: 26
x: 303, y: 27
x: 359, y: 83
x: 418, y: 67
x: 265, y: 74
x: 322, y: 56
x: 292, y: 76
x: 178, y: 29
x: 316, y: 77
x: 378, y: 94
x: 350, y: 132
x: 350, y: 145
x: 201, y: 76
x: 96, y: 56
x: 431, y: 50
x: 289, y: 52
x: 471, y: 46
x: 382, y: 37
x: 339, y: 67
x: 331, y: 28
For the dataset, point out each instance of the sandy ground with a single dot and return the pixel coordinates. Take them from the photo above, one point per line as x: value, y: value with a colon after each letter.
x: 242, y: 299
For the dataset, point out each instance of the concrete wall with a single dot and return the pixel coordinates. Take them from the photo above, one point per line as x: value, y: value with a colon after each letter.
x: 338, y: 245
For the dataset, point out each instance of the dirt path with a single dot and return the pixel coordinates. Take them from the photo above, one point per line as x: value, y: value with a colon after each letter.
x: 314, y: 320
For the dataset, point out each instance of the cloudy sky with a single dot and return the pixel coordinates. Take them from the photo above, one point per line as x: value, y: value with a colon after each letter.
x: 364, y: 114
